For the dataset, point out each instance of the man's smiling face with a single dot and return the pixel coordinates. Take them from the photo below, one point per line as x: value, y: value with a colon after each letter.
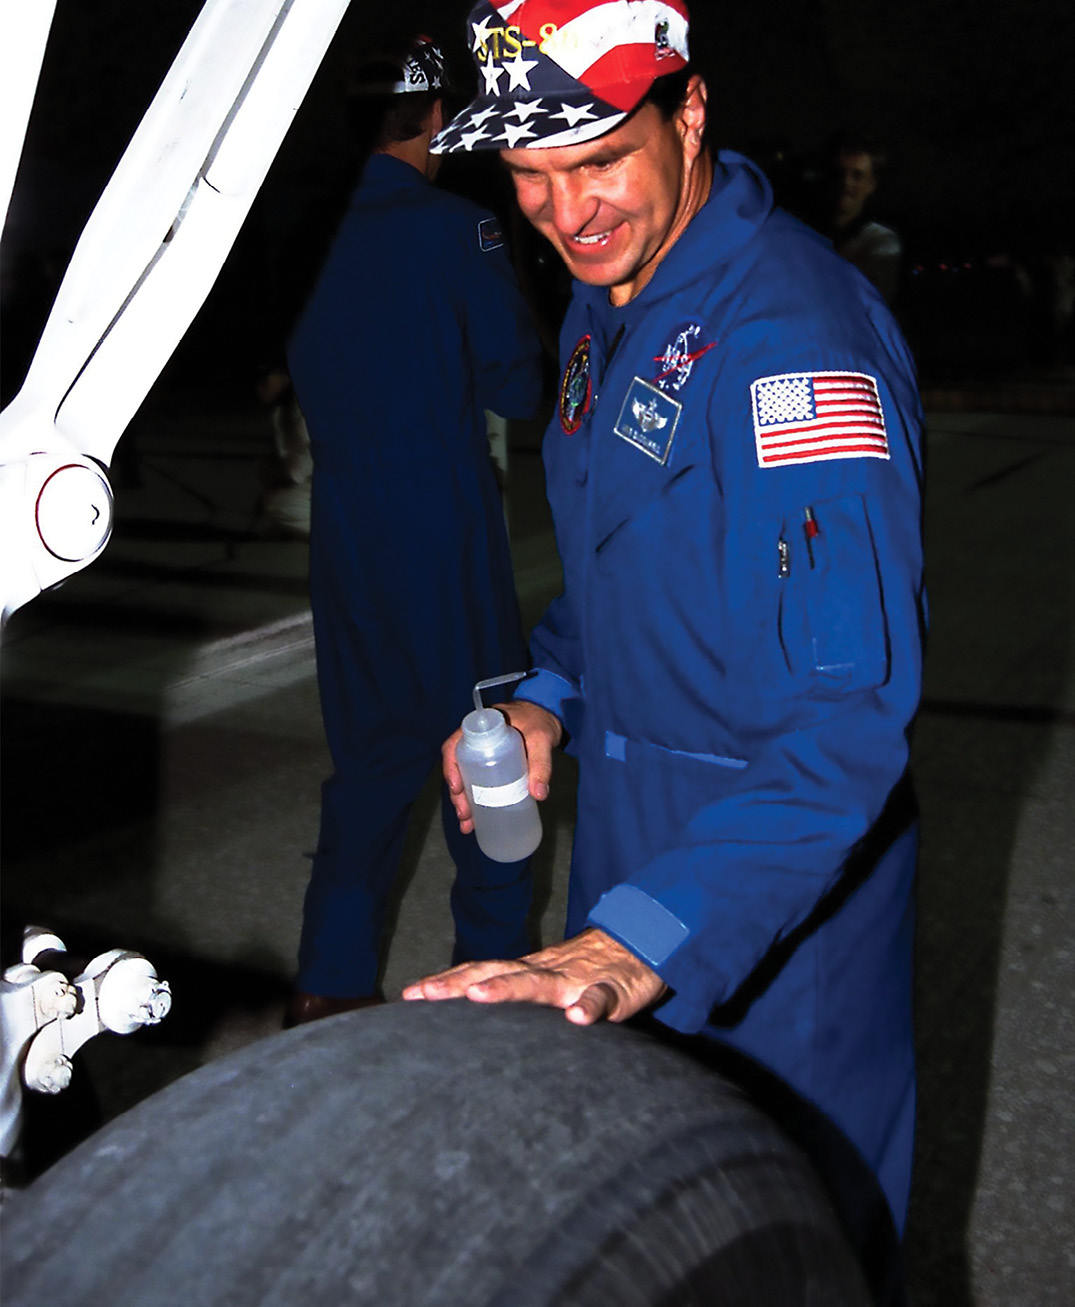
x: 614, y: 207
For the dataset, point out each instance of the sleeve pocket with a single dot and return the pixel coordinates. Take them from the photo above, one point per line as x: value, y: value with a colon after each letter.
x: 832, y: 617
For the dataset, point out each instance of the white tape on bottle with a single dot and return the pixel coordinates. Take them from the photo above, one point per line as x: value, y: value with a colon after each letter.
x: 501, y: 796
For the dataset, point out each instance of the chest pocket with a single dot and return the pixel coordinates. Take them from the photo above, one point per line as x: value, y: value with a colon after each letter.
x: 832, y: 613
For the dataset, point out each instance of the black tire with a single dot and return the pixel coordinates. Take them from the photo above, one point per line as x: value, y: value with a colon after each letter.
x: 435, y: 1155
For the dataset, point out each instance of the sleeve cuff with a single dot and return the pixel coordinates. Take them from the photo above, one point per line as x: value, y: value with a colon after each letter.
x: 549, y: 691
x: 640, y: 923
x: 655, y: 935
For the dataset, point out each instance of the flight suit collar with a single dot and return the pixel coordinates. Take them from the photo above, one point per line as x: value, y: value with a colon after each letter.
x: 387, y: 172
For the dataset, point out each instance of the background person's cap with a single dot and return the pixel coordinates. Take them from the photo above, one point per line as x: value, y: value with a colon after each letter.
x: 421, y: 68
x: 559, y: 72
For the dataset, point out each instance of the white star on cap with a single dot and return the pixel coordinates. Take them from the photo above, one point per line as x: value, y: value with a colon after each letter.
x: 468, y: 140
x: 492, y: 76
x: 518, y: 70
x: 573, y: 116
x: 513, y: 133
x: 524, y: 110
x: 481, y: 32
x: 477, y: 119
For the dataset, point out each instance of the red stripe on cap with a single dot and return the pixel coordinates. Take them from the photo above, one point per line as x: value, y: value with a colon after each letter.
x: 535, y: 14
x: 624, y: 75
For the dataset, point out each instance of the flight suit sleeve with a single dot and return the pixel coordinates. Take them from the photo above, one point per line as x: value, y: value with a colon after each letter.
x: 499, y: 333
x: 747, y: 868
x: 556, y: 681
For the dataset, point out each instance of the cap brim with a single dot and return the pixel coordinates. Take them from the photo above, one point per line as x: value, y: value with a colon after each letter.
x: 537, y: 122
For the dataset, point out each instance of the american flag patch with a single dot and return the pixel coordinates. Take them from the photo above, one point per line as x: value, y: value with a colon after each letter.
x: 806, y: 417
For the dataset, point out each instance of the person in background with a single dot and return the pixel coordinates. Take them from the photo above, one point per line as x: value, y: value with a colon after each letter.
x: 415, y: 327
x: 735, y: 475
x: 284, y: 505
x: 856, y: 165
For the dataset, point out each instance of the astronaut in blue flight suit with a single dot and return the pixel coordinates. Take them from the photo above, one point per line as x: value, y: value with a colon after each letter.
x: 416, y: 326
x: 735, y: 476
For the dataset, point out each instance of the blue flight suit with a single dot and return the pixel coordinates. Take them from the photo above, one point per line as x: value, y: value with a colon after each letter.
x: 735, y: 476
x: 415, y: 327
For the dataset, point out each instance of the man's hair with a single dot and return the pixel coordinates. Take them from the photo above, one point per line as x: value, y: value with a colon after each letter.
x: 377, y: 121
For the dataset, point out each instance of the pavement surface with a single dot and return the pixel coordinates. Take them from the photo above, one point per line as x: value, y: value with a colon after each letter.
x: 162, y: 757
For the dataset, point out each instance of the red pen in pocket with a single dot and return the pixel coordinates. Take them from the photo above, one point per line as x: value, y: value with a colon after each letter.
x: 811, y: 530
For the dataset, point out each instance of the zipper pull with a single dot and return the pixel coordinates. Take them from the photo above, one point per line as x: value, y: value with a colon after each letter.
x: 784, y: 569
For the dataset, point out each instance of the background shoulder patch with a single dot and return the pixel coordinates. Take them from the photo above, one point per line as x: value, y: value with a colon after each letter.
x: 490, y: 237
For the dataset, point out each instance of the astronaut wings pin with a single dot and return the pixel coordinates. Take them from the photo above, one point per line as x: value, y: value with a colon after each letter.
x: 646, y: 415
x: 648, y: 419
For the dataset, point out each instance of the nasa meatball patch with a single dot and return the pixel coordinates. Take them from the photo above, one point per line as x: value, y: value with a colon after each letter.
x: 808, y: 417
x: 680, y: 355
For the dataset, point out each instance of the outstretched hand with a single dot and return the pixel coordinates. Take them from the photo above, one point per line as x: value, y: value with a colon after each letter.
x: 591, y: 977
x: 541, y: 732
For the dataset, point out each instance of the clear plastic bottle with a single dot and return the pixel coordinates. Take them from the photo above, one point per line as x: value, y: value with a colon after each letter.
x: 492, y: 761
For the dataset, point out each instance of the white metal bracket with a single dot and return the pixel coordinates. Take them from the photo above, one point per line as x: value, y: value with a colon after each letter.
x: 45, y: 1018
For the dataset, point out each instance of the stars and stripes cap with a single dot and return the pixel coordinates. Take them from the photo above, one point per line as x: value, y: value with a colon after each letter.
x: 560, y: 72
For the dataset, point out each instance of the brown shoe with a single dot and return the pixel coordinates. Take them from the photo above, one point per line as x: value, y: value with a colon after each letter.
x: 304, y: 1007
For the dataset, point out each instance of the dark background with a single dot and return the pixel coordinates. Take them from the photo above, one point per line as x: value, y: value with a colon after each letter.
x: 973, y: 101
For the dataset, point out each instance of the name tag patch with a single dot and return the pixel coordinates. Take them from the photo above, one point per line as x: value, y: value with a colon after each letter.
x: 648, y: 419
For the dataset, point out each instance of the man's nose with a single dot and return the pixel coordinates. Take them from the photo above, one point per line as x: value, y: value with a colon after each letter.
x: 572, y: 203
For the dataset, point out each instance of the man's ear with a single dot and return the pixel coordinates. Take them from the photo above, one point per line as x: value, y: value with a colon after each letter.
x: 437, y: 117
x: 692, y: 114
x: 433, y: 125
